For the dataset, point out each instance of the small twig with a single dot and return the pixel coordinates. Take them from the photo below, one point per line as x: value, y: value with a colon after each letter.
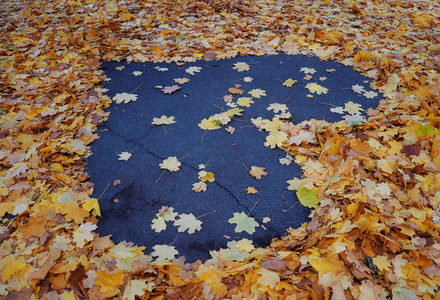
x: 278, y: 79
x: 175, y: 239
x: 252, y: 208
x: 285, y: 100
x: 286, y: 210
x: 222, y: 109
x: 206, y: 214
x: 183, y: 157
x: 138, y: 87
x: 164, y: 130
x: 246, y: 167
x: 208, y: 161
x: 160, y: 176
x: 108, y: 184
x: 329, y: 104
x: 206, y: 132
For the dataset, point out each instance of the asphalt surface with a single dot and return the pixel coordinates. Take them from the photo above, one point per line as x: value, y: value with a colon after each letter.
x: 129, y: 207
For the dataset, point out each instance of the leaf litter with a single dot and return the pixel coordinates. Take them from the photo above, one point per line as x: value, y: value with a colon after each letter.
x: 374, y: 232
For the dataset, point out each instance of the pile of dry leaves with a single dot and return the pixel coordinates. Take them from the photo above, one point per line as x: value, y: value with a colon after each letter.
x: 375, y: 231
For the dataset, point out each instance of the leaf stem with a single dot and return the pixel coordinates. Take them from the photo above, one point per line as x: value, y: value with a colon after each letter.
x: 206, y: 214
x: 286, y: 210
x: 138, y: 87
x: 160, y: 176
x: 108, y: 184
x: 252, y: 208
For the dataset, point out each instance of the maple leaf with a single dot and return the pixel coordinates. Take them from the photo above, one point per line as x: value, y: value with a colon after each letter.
x: 275, y: 139
x: 323, y: 78
x: 170, y: 89
x: 289, y: 82
x: 228, y: 98
x: 213, y: 277
x: 230, y: 129
x: 235, y: 91
x: 188, y: 222
x: 307, y: 197
x: 124, y: 156
x: 392, y: 83
x: 192, y: 70
x: 316, y: 88
x: 158, y: 224
x: 171, y: 164
x: 209, y: 124
x: 161, y: 69
x: 206, y: 176
x: 337, y: 110
x: 244, y: 223
x: 163, y: 120
x: 302, y: 136
x: 241, y: 66
x: 286, y: 160
x: 124, y: 97
x: 308, y: 70
x: 268, y: 278
x: 181, y: 80
x: 108, y: 282
x: 83, y: 234
x: 358, y: 89
x: 134, y: 287
x: 251, y: 190
x: 248, y: 79
x: 257, y: 172
x: 167, y: 213
x: 257, y: 93
x: 11, y: 266
x: 245, y: 101
x: 353, y: 108
x: 245, y: 245
x: 137, y: 73
x: 164, y: 252
x: 370, y: 94
x: 199, y: 187
x: 277, y: 107
x: 266, y: 220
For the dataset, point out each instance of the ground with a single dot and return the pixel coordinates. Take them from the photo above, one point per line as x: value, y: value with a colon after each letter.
x: 372, y: 183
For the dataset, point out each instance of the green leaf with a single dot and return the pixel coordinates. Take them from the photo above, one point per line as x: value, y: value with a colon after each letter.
x: 244, y: 223
x: 307, y: 197
x: 425, y: 130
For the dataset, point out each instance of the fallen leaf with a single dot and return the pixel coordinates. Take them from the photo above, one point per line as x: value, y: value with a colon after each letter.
x: 188, y: 222
x: 171, y: 164
x: 163, y: 120
x: 251, y: 190
x: 124, y: 156
x: 241, y: 66
x: 243, y: 222
x: 257, y: 172
x: 124, y: 98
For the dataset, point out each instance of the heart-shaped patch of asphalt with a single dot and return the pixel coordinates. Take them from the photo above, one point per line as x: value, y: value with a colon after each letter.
x: 175, y: 130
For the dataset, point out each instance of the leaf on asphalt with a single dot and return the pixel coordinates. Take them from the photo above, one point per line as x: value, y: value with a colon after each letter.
x: 163, y: 120
x: 251, y: 190
x: 308, y: 70
x: 257, y: 93
x: 124, y: 156
x: 188, y: 222
x: 241, y: 66
x: 181, y: 80
x: 243, y: 223
x: 192, y: 70
x: 257, y: 172
x: 170, y: 89
x: 164, y: 252
x: 199, y: 187
x: 316, y: 88
x: 289, y: 82
x: 171, y: 164
x: 124, y: 98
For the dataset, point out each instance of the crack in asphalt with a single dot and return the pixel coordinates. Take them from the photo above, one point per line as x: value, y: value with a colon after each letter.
x: 195, y: 169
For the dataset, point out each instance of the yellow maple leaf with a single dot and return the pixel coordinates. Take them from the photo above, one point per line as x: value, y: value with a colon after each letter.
x: 209, y: 124
x: 109, y: 281
x: 381, y: 263
x: 268, y: 278
x: 11, y: 266
x: 92, y: 205
x: 289, y: 82
x: 251, y: 190
x: 275, y: 139
x: 316, y: 88
x: 212, y: 276
x: 206, y: 176
x: 257, y: 172
x: 245, y: 101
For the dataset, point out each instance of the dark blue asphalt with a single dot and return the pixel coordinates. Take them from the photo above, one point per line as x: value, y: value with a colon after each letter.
x: 129, y: 207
